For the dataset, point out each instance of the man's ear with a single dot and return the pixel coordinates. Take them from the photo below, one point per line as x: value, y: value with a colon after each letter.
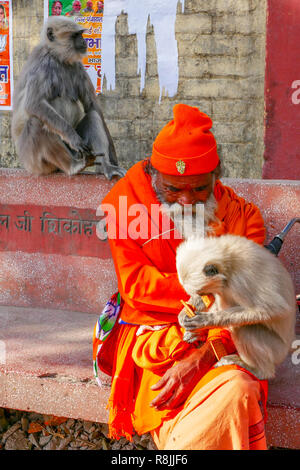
x: 50, y: 34
x: 218, y: 171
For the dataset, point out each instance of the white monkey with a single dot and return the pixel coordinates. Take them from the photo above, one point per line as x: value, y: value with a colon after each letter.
x: 254, y: 298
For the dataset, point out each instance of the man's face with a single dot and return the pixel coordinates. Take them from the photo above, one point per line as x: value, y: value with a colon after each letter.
x: 185, y: 189
x: 77, y: 6
x: 89, y: 5
x: 183, y: 196
x: 1, y: 14
x: 56, y: 9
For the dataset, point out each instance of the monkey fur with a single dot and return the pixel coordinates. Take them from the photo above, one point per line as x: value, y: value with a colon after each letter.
x: 57, y: 122
x: 254, y: 299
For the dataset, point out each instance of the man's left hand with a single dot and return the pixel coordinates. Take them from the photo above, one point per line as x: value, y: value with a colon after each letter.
x: 178, y: 382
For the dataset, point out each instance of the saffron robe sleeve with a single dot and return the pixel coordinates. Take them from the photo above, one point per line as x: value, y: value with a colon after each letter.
x: 153, y: 296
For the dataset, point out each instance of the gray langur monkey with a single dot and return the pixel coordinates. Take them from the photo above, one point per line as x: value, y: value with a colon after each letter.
x: 57, y: 122
x: 254, y: 299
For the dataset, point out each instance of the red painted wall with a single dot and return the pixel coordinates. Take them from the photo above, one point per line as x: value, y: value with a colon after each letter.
x: 51, y: 229
x: 282, y: 91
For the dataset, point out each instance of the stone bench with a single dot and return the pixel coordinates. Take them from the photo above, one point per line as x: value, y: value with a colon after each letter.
x: 56, y: 275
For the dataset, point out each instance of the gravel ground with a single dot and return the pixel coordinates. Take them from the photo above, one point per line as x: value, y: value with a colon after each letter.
x: 20, y: 430
x: 17, y: 433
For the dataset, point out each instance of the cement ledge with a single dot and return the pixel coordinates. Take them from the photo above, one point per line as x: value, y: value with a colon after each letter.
x: 59, y: 396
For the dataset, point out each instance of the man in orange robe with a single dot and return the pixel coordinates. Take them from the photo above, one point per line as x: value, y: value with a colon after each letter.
x: 161, y: 384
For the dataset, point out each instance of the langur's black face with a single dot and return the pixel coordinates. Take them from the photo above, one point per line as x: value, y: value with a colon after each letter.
x: 210, y: 270
x: 212, y: 280
x: 69, y: 45
x: 79, y: 42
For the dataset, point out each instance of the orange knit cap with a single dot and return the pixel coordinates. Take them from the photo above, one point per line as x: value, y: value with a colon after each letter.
x: 185, y: 146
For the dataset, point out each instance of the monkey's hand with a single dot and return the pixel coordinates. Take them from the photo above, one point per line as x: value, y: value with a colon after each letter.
x: 199, y: 321
x: 80, y: 158
x: 79, y: 147
x: 197, y: 302
x: 191, y: 336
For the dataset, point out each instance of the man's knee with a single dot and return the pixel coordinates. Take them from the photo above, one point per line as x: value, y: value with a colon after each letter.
x: 244, y: 386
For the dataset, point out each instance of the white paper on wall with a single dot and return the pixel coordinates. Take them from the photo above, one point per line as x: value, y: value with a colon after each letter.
x: 162, y: 16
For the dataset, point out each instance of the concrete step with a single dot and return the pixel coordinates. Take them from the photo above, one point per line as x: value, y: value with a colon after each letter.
x: 46, y: 363
x: 46, y: 367
x: 283, y: 424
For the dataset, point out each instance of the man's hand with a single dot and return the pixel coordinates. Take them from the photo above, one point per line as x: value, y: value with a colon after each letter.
x: 178, y: 382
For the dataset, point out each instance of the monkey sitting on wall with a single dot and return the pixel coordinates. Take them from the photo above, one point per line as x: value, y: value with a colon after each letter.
x: 57, y: 122
x: 254, y: 299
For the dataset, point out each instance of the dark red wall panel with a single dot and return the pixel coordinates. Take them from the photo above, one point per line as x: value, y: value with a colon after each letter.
x: 282, y: 91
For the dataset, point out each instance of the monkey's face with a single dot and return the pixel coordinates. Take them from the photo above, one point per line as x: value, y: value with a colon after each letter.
x: 202, y: 279
x: 66, y: 41
x: 212, y: 279
x: 200, y: 268
x: 79, y: 43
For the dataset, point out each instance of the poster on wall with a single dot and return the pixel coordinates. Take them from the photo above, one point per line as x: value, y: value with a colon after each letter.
x: 89, y: 14
x: 6, y: 59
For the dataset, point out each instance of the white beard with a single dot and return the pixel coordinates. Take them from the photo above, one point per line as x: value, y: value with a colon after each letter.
x: 190, y: 219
